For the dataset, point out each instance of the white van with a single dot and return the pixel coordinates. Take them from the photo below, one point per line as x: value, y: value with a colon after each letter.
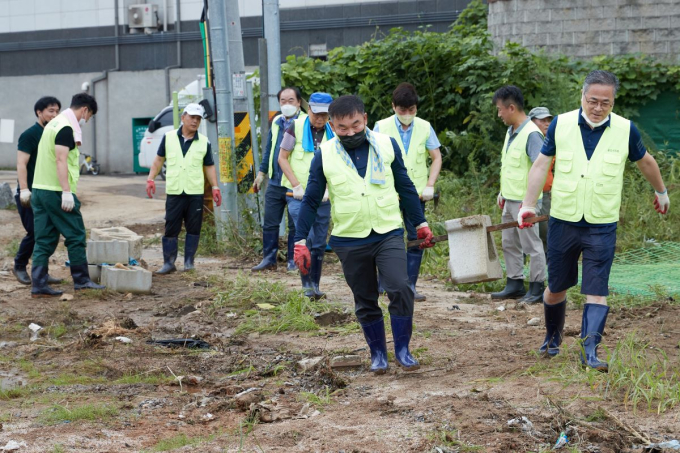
x: 162, y: 123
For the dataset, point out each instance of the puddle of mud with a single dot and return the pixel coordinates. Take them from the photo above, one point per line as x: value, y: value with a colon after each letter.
x: 11, y: 379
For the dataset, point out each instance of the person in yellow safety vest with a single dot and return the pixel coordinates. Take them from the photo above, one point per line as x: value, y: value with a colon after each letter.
x: 189, y: 157
x: 542, y: 118
x: 591, y: 146
x: 417, y: 139
x: 522, y: 146
x: 299, y: 146
x: 275, y: 196
x: 366, y: 178
x: 56, y: 208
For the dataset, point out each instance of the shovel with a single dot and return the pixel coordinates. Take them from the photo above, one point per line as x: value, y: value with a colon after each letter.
x: 489, y: 229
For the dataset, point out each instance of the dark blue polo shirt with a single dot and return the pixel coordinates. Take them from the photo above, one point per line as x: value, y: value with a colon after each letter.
x: 316, y: 185
x: 591, y: 137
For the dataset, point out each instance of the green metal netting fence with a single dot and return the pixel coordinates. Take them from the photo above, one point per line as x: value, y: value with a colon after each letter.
x: 648, y: 271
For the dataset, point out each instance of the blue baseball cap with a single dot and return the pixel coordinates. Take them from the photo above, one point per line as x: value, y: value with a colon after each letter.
x: 319, y: 102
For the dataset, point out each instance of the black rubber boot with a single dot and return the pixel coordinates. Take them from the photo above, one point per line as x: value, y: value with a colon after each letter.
x: 535, y: 293
x: 190, y: 247
x: 40, y: 288
x: 413, y: 260
x: 402, y: 328
x: 307, y: 285
x: 554, y: 326
x: 169, y: 256
x: 514, y: 289
x: 592, y: 328
x: 374, y: 332
x: 270, y: 247
x: 315, y: 273
x: 53, y: 280
x: 81, y: 278
x: 291, y: 266
x: 21, y: 275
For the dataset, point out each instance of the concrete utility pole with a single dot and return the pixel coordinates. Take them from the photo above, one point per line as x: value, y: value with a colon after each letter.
x: 272, y: 33
x: 224, y: 153
x: 236, y: 61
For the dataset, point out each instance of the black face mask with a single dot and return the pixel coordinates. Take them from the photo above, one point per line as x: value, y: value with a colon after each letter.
x: 353, y: 141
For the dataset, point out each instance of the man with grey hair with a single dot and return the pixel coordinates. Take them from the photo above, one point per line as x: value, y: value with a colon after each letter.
x: 590, y: 146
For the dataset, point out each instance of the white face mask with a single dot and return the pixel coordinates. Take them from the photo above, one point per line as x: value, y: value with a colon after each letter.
x: 82, y: 122
x: 288, y: 110
x: 590, y: 123
x: 405, y: 119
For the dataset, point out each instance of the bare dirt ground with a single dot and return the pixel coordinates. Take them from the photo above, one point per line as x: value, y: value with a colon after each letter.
x: 77, y: 389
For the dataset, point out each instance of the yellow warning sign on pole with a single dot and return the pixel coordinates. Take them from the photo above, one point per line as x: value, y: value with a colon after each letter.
x: 226, y: 170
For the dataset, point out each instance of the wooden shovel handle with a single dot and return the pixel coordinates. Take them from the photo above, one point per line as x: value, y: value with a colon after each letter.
x: 489, y: 229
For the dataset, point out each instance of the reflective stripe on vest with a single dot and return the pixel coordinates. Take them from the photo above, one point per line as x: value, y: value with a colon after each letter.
x: 415, y: 159
x: 184, y: 173
x: 515, y: 164
x: 583, y: 188
x: 45, y: 176
x: 275, y: 137
x: 299, y: 159
x: 357, y: 206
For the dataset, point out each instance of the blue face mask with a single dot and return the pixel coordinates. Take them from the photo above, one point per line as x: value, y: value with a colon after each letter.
x: 353, y: 141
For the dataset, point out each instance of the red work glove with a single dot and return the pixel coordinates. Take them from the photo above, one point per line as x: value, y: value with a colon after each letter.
x: 150, y: 188
x: 303, y: 259
x: 425, y: 233
x: 662, y: 202
x: 217, y: 196
x: 525, y: 213
x: 500, y: 201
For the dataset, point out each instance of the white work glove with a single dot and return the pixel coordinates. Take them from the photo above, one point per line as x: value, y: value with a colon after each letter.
x: 325, y: 196
x: 67, y: 201
x: 428, y: 193
x: 524, y: 213
x: 298, y: 192
x: 500, y: 201
x: 661, y: 202
x: 258, y: 181
x: 25, y: 197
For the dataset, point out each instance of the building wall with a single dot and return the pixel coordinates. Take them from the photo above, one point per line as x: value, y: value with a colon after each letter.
x: 123, y: 96
x: 586, y: 28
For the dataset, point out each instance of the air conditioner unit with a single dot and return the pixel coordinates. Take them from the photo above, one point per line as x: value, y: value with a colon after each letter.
x: 142, y: 16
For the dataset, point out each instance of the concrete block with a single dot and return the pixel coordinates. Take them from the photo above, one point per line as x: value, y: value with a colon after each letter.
x: 578, y: 25
x: 95, y: 271
x: 111, y: 252
x: 656, y: 47
x: 588, y: 37
x: 472, y: 251
x: 602, y: 24
x: 641, y: 35
x: 134, y: 240
x: 136, y: 280
x: 656, y: 22
x: 535, y: 40
x: 610, y: 36
x: 524, y: 28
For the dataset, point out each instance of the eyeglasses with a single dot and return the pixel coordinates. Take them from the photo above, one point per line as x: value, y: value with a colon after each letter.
x: 592, y: 103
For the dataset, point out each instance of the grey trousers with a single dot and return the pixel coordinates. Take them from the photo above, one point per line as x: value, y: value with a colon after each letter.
x: 362, y: 264
x: 518, y: 242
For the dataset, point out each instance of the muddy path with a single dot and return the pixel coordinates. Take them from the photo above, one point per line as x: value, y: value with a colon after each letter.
x: 78, y: 389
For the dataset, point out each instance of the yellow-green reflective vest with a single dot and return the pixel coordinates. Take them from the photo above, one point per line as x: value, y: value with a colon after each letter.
x: 589, y: 188
x: 46, y: 163
x: 416, y: 157
x: 515, y: 164
x: 184, y: 173
x: 299, y: 159
x: 275, y: 135
x: 357, y: 206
